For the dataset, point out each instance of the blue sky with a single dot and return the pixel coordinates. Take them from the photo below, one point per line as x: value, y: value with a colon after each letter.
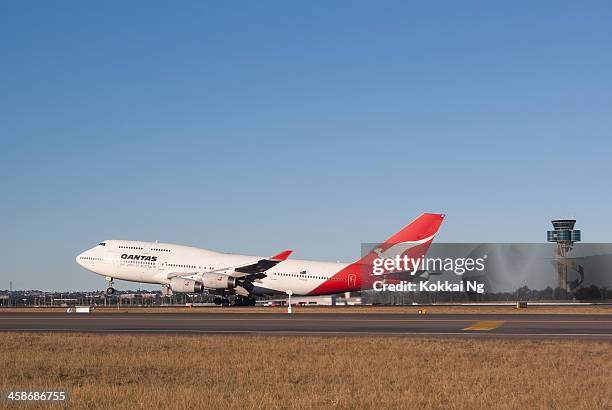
x: 258, y: 126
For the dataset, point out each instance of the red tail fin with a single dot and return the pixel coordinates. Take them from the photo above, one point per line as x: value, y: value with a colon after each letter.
x: 413, y: 240
x: 423, y: 227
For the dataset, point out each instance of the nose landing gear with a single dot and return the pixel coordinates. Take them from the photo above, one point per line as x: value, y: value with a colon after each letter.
x: 110, y: 290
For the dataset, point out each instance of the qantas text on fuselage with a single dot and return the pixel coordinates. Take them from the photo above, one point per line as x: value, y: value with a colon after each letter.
x: 186, y: 269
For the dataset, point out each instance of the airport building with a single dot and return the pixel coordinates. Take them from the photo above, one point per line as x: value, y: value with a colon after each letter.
x: 564, y: 236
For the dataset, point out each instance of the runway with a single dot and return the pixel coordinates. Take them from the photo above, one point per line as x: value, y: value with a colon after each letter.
x: 318, y: 324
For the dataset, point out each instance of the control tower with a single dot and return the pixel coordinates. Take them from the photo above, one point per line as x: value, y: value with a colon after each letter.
x: 564, y: 235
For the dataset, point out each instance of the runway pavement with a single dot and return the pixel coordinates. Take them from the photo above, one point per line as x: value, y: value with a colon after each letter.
x: 322, y: 324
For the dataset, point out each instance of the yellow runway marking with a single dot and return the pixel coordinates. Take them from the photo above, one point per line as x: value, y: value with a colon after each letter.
x: 485, y: 325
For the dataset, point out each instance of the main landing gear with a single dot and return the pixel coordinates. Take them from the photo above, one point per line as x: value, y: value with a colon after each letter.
x: 240, y: 301
x: 221, y: 301
x: 244, y: 302
x: 110, y: 290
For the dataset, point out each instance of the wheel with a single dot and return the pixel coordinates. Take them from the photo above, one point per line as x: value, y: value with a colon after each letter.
x: 218, y: 301
x: 244, y: 302
x: 110, y: 291
x: 225, y: 303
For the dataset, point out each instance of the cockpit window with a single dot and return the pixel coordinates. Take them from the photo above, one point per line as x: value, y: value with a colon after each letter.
x: 102, y: 243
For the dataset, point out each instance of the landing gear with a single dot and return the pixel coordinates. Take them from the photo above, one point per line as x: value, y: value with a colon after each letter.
x: 240, y: 301
x: 221, y: 301
x: 110, y: 290
x: 244, y: 302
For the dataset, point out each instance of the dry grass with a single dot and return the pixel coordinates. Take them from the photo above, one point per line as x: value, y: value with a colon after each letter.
x: 123, y: 371
x: 597, y: 310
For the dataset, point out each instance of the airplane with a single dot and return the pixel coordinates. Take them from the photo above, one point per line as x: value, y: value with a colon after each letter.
x: 238, y: 279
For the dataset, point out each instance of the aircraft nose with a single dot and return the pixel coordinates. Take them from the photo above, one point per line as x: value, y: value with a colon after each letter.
x: 79, y: 259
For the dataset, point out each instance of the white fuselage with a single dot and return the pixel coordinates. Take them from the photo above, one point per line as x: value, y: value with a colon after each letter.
x: 152, y: 262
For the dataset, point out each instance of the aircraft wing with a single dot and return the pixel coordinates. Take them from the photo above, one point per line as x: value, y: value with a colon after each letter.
x: 256, y: 270
x: 245, y: 275
x: 253, y: 271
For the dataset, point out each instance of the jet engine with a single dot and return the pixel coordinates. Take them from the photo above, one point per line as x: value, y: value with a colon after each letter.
x: 218, y: 281
x: 182, y: 285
